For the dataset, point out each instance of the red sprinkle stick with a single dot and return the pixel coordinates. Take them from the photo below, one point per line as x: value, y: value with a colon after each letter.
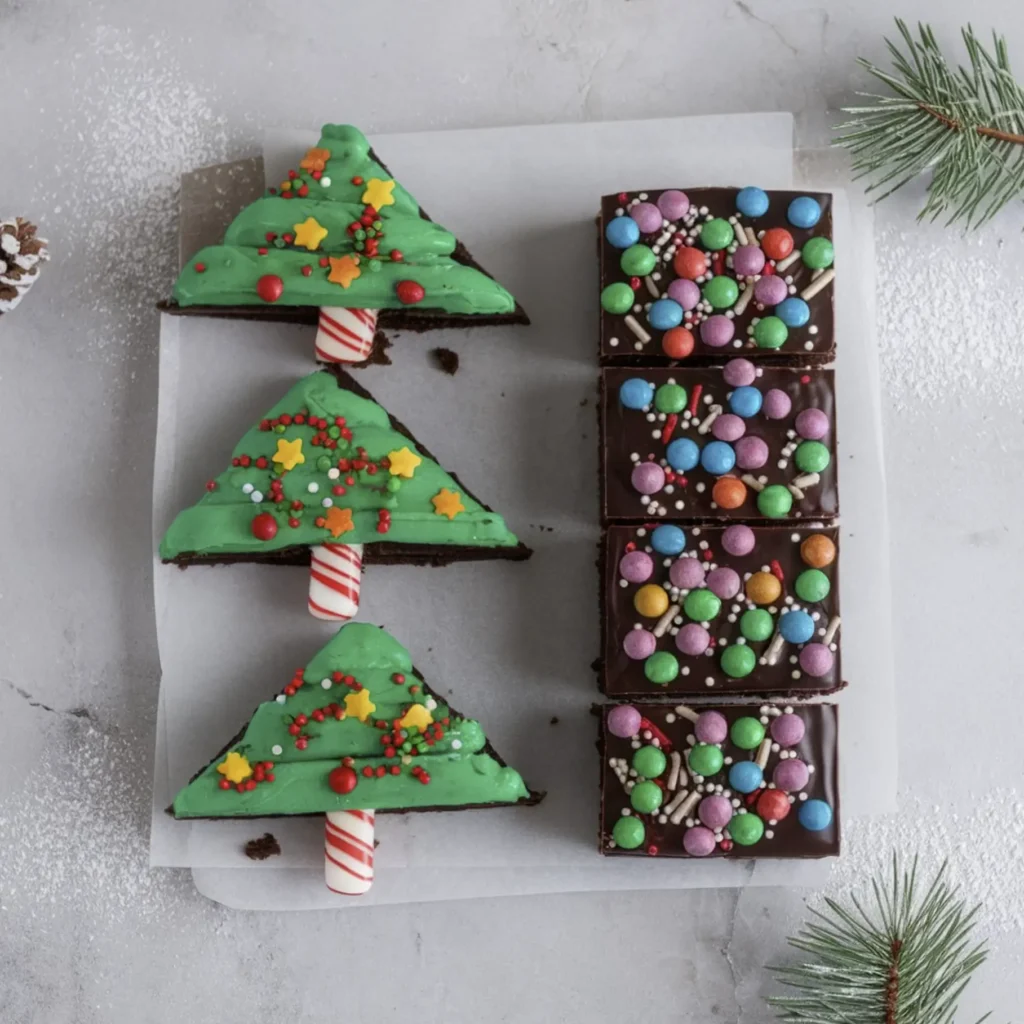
x: 695, y: 398
x: 670, y: 425
x: 666, y: 743
x: 777, y: 571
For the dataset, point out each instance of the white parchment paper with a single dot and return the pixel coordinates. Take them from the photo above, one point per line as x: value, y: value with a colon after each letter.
x: 513, y: 643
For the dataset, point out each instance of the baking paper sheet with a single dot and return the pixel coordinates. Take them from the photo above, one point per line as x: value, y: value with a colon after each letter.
x: 512, y: 642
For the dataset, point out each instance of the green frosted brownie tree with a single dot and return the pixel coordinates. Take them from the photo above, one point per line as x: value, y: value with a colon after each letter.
x: 355, y: 731
x: 340, y: 233
x: 327, y: 469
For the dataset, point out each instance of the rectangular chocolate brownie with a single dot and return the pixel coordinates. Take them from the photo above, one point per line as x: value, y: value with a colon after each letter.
x: 740, y: 780
x: 720, y: 611
x: 737, y: 442
x: 716, y: 272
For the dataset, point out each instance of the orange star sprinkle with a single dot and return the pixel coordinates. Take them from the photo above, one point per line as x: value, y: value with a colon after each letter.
x: 315, y: 159
x: 339, y: 520
x: 447, y: 503
x: 344, y: 270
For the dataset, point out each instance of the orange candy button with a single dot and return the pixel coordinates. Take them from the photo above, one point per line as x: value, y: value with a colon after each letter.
x: 777, y: 243
x: 677, y: 342
x: 817, y: 551
x: 690, y: 262
x: 729, y: 492
x: 763, y: 588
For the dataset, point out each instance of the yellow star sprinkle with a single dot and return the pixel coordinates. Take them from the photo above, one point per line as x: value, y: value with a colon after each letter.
x: 417, y: 717
x: 378, y: 193
x: 360, y: 705
x: 339, y: 520
x: 235, y: 768
x: 310, y: 233
x: 403, y: 462
x: 289, y: 453
x: 447, y: 503
x: 344, y: 270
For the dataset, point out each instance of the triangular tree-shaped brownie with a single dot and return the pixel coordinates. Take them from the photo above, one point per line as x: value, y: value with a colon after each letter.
x: 339, y: 241
x: 326, y: 472
x: 356, y: 731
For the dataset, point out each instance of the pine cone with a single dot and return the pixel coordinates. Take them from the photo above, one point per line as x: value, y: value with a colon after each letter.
x: 21, y: 253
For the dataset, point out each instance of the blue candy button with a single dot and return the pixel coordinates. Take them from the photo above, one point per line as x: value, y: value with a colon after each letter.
x: 718, y: 458
x: 668, y: 540
x: 815, y: 815
x: 793, y: 312
x: 745, y: 401
x: 622, y: 232
x: 752, y: 201
x: 665, y: 314
x: 803, y: 212
x: 636, y: 393
x: 745, y: 776
x: 682, y: 454
x: 796, y: 626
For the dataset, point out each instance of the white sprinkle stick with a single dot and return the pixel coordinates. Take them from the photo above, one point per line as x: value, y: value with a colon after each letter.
x: 631, y: 323
x: 784, y: 265
x: 744, y: 300
x: 751, y: 235
x: 762, y: 753
x: 675, y: 759
x: 666, y: 620
x: 752, y: 482
x: 716, y: 411
x: 651, y: 286
x: 815, y: 274
x: 818, y: 284
x: 771, y: 656
x: 675, y: 801
x: 796, y: 492
x: 831, y: 630
x: 685, y: 807
x: 685, y: 712
x: 807, y: 480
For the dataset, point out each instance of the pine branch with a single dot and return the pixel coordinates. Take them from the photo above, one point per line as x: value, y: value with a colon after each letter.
x: 905, y: 958
x: 964, y: 124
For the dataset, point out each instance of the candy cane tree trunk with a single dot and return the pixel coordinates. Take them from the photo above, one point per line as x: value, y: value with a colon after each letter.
x: 335, y: 577
x: 345, y: 335
x: 348, y: 852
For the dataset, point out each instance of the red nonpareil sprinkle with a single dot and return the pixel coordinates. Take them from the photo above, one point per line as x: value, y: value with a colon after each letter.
x: 294, y: 523
x: 368, y: 772
x: 371, y: 469
x: 424, y: 778
x: 240, y: 787
x: 250, y: 784
x: 320, y: 522
x: 398, y: 677
x: 211, y: 485
x: 389, y: 751
x: 652, y: 850
x: 695, y: 399
x: 414, y: 689
x: 324, y: 261
x: 634, y: 283
x: 350, y: 681
x: 348, y: 761
x: 302, y: 742
x: 317, y: 175
x: 708, y: 555
x: 338, y: 489
x: 670, y: 425
x: 294, y: 729
x: 296, y: 504
x: 381, y: 771
x: 307, y: 270
x: 339, y: 713
x: 303, y: 191
x: 270, y: 236
x: 284, y: 419
x: 224, y: 784
x: 261, y: 463
x: 395, y: 770
x: 269, y: 777
x: 446, y: 720
x: 631, y: 546
x: 357, y: 180
x: 200, y: 268
x: 263, y: 250
x: 292, y: 175
x: 396, y: 255
x: 289, y: 238
x: 301, y: 719
x: 769, y: 269
x: 264, y: 424
x: 337, y: 677
x: 289, y: 691
x: 777, y: 571
x: 623, y: 198
x: 805, y: 379
x: 350, y: 480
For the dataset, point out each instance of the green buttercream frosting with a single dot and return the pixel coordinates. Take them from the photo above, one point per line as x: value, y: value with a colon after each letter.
x: 227, y: 274
x: 460, y: 771
x: 221, y: 522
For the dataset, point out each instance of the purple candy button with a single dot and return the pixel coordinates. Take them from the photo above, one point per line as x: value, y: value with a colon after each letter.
x: 685, y: 292
x: 686, y: 573
x: 777, y: 404
x: 738, y: 540
x: 791, y: 776
x: 639, y: 644
x: 751, y: 452
x: 739, y: 373
x: 636, y: 566
x: 724, y: 582
x: 787, y: 730
x: 770, y: 291
x: 816, y: 660
x: 693, y: 639
x: 812, y: 424
x: 715, y: 811
x: 711, y: 727
x: 717, y: 331
x: 673, y: 204
x: 647, y: 217
x: 624, y: 721
x: 728, y: 427
x: 748, y: 260
x: 648, y: 478
x: 699, y: 841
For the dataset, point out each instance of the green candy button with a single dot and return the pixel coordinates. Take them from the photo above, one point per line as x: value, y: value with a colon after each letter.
x: 747, y: 733
x: 705, y: 759
x: 323, y: 463
x: 649, y: 762
x: 628, y: 833
x: 638, y: 261
x: 645, y: 797
x: 818, y: 254
x: 812, y: 585
x: 661, y: 668
x: 716, y: 234
x: 670, y: 398
x: 701, y: 605
x: 738, y: 661
x: 770, y: 332
x: 746, y: 829
x: 617, y: 298
x: 756, y: 624
x: 774, y: 501
x: 721, y: 292
x: 811, y: 456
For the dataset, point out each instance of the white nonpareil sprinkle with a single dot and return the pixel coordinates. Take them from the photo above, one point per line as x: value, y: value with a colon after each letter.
x: 277, y: 750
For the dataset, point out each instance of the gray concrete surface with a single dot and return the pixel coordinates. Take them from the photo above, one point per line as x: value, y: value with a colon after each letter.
x: 102, y: 106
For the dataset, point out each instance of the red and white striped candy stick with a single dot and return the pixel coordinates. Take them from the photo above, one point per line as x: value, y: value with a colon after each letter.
x: 335, y: 576
x: 348, y: 852
x: 345, y: 335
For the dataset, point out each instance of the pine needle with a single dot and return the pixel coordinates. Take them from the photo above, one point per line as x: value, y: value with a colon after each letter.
x: 904, y: 957
x: 964, y: 124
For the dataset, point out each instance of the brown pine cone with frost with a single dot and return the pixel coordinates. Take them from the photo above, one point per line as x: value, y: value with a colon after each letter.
x: 21, y: 254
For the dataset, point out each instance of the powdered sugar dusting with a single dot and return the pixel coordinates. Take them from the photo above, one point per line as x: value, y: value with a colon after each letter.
x: 949, y: 315
x: 987, y: 872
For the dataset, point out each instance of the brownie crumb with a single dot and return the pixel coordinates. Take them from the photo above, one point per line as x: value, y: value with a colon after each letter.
x: 554, y: 720
x: 446, y: 360
x: 261, y: 849
x: 584, y: 402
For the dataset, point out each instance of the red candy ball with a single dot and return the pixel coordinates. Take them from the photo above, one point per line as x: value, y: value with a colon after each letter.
x: 773, y: 805
x: 270, y: 287
x: 677, y: 342
x: 409, y: 292
x: 689, y: 263
x: 264, y: 526
x: 777, y: 243
x: 343, y: 779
